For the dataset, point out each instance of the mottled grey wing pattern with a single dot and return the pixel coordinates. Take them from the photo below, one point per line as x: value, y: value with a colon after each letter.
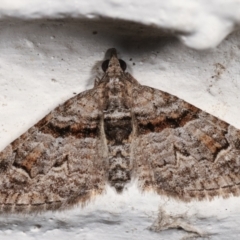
x: 182, y: 151
x: 109, y: 134
x: 57, y: 162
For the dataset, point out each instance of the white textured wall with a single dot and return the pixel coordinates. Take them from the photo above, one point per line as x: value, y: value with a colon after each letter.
x: 44, y: 62
x: 198, y: 23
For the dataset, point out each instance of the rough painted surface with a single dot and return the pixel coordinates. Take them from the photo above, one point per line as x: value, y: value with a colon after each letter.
x: 199, y: 24
x: 43, y: 63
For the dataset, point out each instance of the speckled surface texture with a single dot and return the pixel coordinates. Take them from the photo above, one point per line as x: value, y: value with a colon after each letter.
x: 45, y: 62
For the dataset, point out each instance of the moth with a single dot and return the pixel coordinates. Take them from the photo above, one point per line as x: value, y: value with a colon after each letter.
x: 116, y: 132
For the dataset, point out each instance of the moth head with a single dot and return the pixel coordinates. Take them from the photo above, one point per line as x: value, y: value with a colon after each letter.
x: 114, y: 66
